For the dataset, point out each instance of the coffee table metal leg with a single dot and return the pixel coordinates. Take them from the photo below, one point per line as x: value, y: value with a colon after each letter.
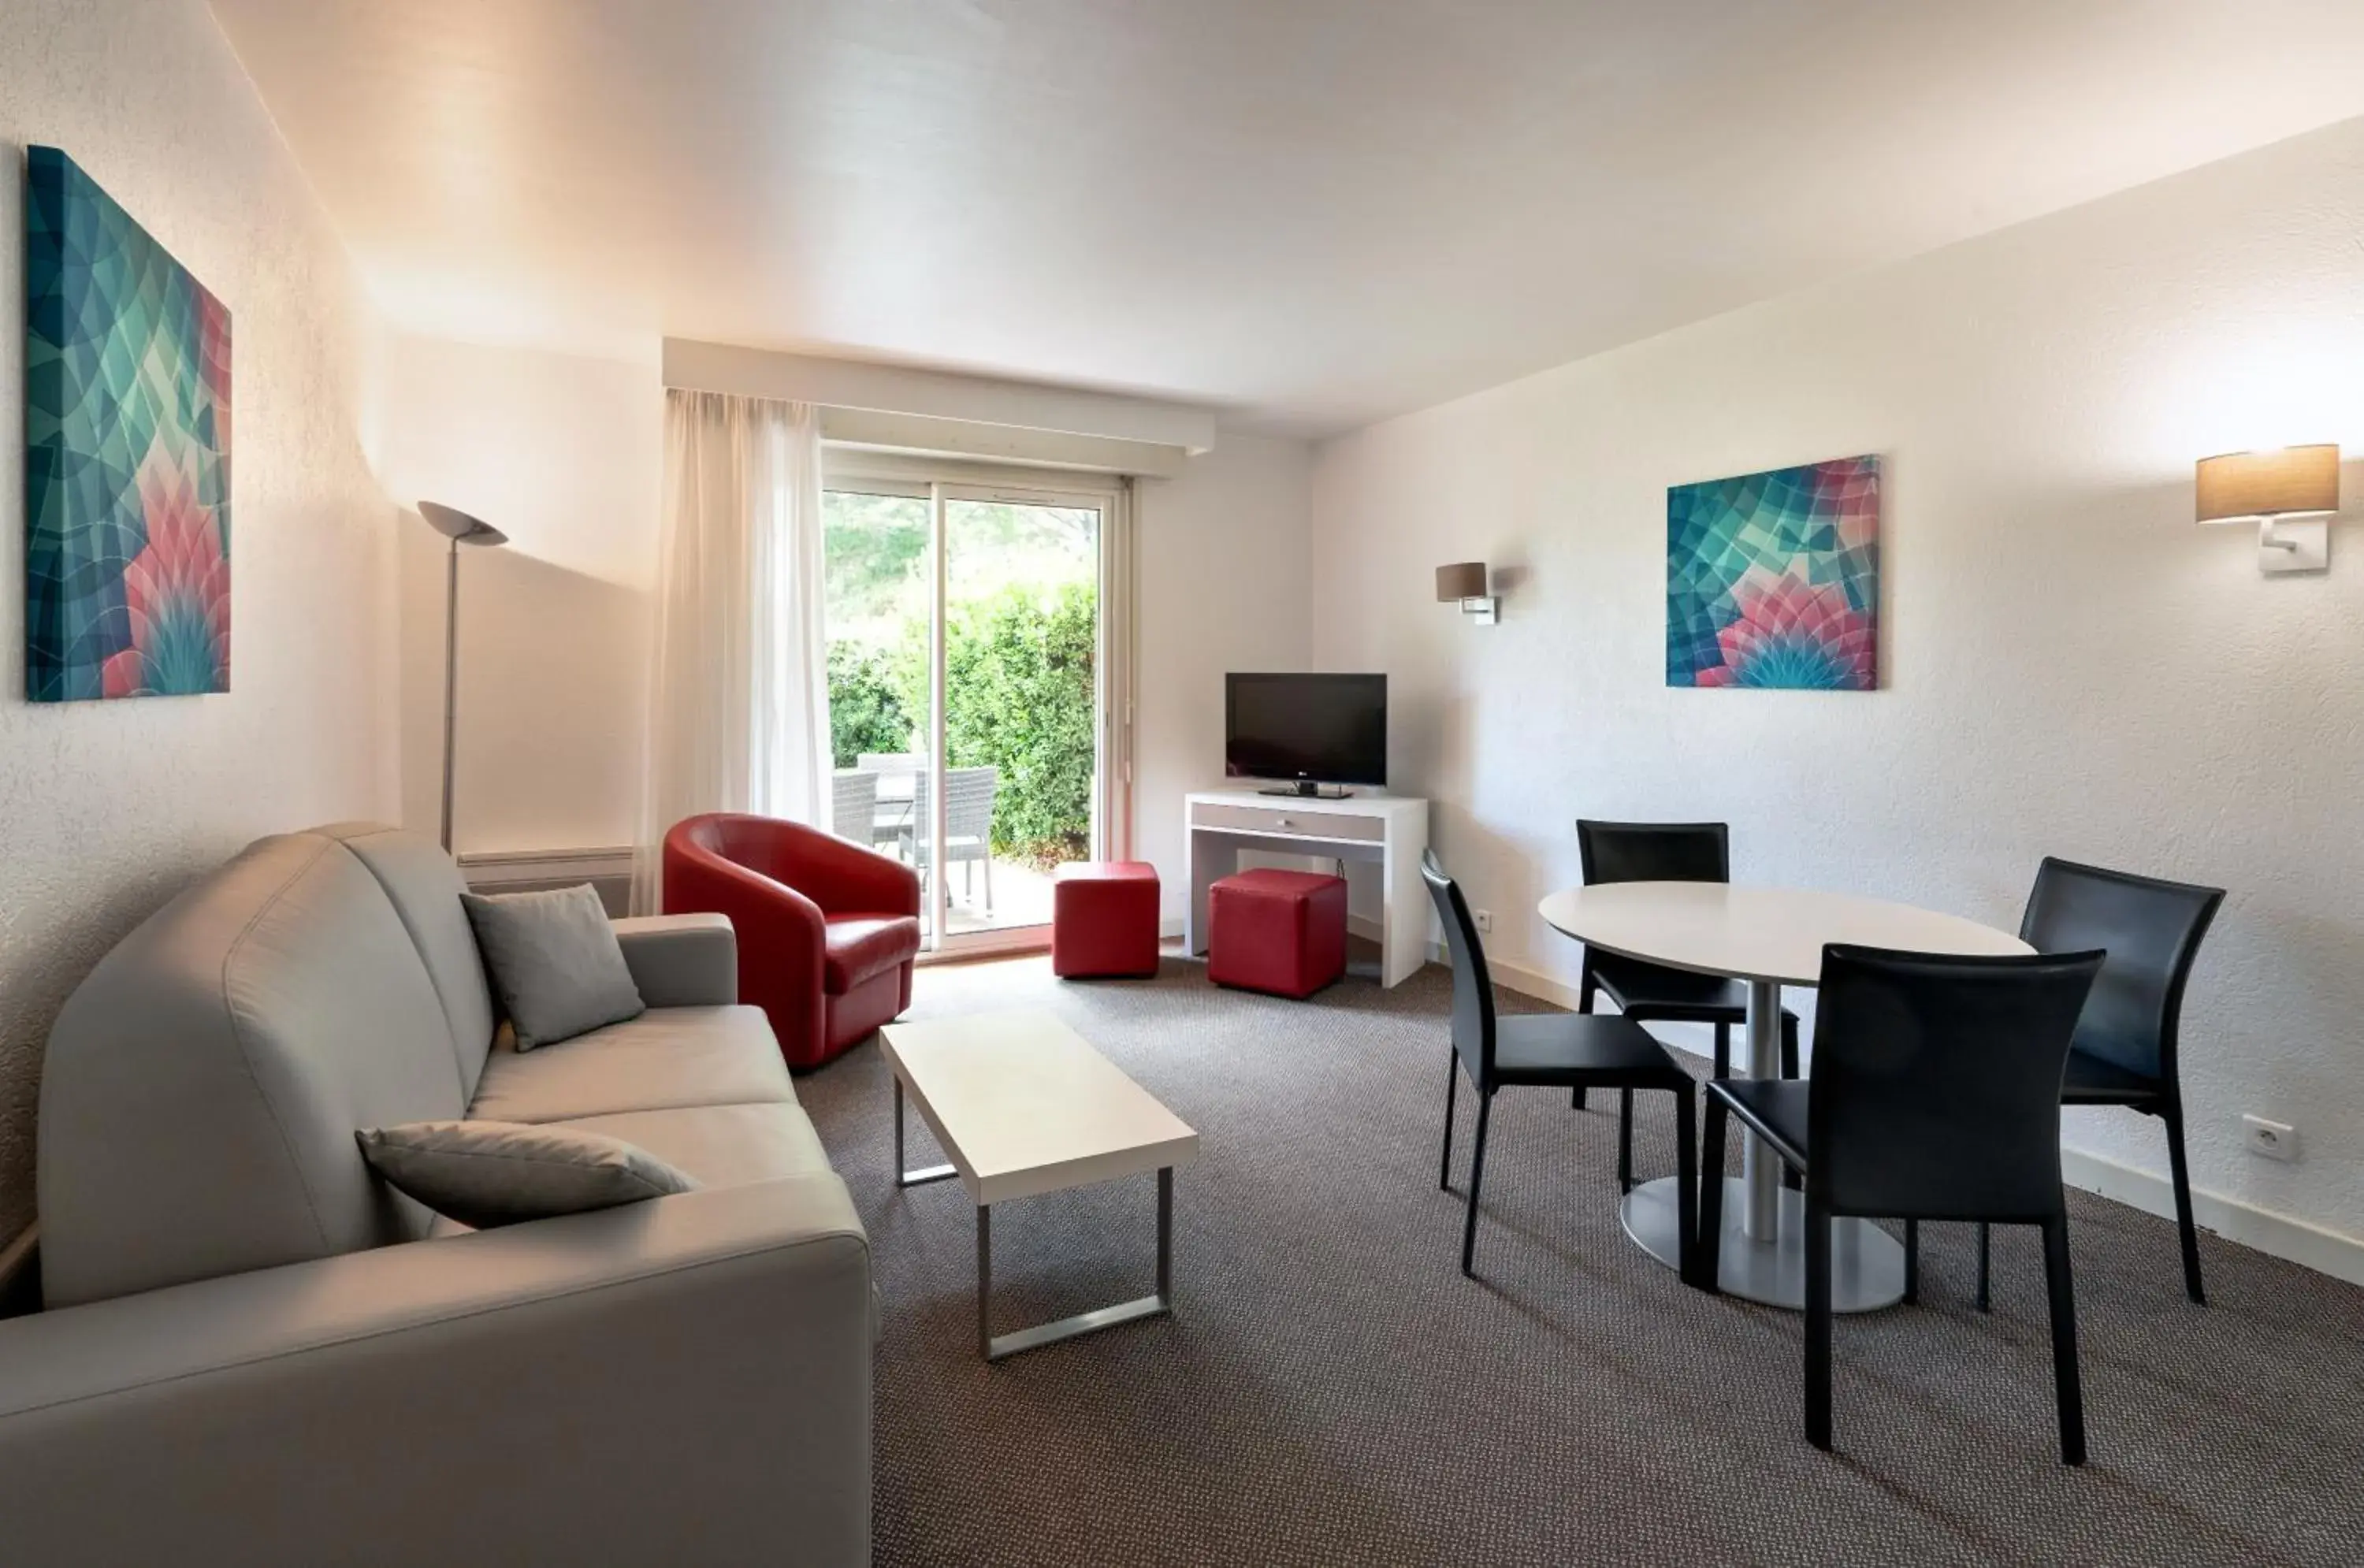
x: 997, y: 1346
x: 985, y: 1280
x: 904, y: 1178
x: 1165, y: 1235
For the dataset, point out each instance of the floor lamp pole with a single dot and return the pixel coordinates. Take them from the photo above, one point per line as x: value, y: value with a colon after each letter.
x: 451, y: 678
x: 460, y: 529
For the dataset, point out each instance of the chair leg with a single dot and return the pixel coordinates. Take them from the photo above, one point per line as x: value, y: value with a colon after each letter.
x: 1452, y: 1085
x: 1911, y: 1262
x: 1477, y: 1176
x: 1723, y: 1051
x: 1584, y: 991
x: 1986, y: 1246
x: 2182, y: 1177
x: 2066, y: 1385
x: 989, y: 884
x: 1818, y: 1325
x: 1686, y: 1188
x: 1708, y: 1238
x: 1624, y: 1141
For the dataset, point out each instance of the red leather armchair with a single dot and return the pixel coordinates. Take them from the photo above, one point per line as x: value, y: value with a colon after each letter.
x: 827, y: 930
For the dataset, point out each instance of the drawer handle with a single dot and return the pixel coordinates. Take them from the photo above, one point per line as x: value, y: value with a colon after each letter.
x: 1287, y: 823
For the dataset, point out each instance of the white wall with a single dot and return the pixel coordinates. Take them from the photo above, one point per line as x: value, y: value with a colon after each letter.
x: 1223, y: 586
x: 112, y: 807
x: 2072, y: 667
x: 563, y: 454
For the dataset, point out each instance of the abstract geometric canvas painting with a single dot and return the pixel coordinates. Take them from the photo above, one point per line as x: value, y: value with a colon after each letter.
x: 126, y: 453
x: 1773, y: 579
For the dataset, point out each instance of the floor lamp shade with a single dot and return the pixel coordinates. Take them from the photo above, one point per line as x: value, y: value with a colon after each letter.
x: 460, y: 529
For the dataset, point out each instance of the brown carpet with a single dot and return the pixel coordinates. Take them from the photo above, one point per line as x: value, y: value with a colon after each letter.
x: 1333, y: 1392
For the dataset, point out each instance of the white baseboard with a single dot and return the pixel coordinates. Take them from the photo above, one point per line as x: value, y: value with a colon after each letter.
x: 2261, y: 1230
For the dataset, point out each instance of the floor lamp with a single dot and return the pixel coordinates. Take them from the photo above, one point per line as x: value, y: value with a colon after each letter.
x: 460, y: 529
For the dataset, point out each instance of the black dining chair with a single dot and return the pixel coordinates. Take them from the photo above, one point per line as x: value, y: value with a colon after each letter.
x: 2125, y: 1051
x: 1645, y: 992
x: 1935, y: 1096
x: 1560, y: 1051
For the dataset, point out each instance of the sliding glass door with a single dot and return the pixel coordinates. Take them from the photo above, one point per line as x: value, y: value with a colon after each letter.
x: 879, y: 609
x: 967, y: 691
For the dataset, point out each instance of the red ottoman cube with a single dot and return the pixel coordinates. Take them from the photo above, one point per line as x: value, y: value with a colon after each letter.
x: 1104, y: 919
x: 1282, y: 932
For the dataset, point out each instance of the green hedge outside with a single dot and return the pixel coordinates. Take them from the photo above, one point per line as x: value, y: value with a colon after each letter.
x: 1018, y: 681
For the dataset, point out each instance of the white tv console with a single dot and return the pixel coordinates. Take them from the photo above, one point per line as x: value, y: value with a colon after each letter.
x: 1389, y: 829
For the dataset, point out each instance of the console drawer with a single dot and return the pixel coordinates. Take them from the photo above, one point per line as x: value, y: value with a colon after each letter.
x: 1282, y: 822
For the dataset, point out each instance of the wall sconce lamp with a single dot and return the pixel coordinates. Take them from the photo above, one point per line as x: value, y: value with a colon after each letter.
x: 2271, y: 488
x: 1464, y: 583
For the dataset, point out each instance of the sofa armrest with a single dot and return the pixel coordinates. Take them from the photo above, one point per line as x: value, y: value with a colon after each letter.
x: 685, y: 1380
x: 681, y: 960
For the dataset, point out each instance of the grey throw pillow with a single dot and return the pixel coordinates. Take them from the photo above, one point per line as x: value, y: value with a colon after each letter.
x: 487, y: 1174
x: 554, y: 963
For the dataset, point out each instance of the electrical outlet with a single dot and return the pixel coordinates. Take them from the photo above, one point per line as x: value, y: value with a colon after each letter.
x: 1484, y: 918
x: 2274, y: 1139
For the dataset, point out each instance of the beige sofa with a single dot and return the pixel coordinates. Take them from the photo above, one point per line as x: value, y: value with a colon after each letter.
x: 255, y: 1352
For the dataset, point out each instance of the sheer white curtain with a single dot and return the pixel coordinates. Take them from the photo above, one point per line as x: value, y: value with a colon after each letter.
x: 738, y: 713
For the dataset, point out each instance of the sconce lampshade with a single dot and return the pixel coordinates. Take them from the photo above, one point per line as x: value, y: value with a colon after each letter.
x: 2287, y: 482
x: 1462, y: 580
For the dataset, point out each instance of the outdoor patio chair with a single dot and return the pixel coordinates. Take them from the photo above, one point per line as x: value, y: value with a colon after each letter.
x: 853, y: 806
x: 968, y: 825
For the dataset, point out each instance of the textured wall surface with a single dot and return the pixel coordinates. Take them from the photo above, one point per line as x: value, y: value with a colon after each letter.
x: 563, y: 454
x: 1222, y: 577
x: 2073, y: 667
x: 110, y: 807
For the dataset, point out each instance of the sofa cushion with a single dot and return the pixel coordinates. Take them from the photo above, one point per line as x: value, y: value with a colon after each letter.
x: 717, y: 1146
x: 487, y: 1174
x: 666, y: 1057
x: 856, y: 947
x: 555, y: 961
x: 722, y: 1146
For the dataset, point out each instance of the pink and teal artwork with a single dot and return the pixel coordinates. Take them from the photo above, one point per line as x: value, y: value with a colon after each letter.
x: 1773, y: 579
x: 126, y: 453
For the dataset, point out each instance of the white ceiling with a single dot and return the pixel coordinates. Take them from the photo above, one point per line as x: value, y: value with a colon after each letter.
x: 1314, y: 213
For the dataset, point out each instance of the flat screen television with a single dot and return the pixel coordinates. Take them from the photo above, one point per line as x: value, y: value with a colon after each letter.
x: 1308, y: 729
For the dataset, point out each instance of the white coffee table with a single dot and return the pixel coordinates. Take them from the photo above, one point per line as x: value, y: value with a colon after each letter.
x: 1768, y: 937
x: 1024, y: 1106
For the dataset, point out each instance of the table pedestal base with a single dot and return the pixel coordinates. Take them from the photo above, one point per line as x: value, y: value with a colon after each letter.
x: 1867, y: 1263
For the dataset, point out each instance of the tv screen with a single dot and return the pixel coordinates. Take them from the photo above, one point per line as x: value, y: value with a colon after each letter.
x: 1325, y: 728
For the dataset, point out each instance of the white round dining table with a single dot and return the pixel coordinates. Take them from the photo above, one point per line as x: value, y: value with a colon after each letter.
x: 1766, y: 938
